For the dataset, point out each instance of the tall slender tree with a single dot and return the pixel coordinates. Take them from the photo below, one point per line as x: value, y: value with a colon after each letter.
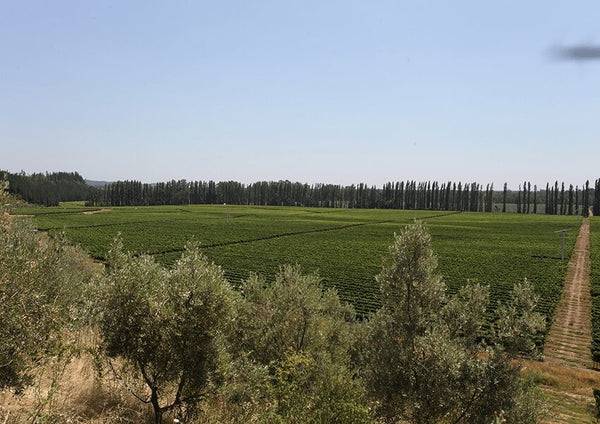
x: 547, y: 207
x: 570, y: 208
x: 562, y: 198
x: 555, y: 207
x: 586, y: 199
x: 596, y: 205
x: 528, y: 195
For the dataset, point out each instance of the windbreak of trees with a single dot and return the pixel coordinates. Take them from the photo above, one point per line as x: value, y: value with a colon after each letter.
x: 556, y: 199
x: 399, y: 195
x: 47, y: 189
x: 430, y: 195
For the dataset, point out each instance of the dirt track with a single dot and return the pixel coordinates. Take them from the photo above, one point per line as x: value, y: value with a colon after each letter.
x: 570, y: 336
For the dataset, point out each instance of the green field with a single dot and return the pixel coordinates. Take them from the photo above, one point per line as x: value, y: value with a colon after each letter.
x: 346, y: 247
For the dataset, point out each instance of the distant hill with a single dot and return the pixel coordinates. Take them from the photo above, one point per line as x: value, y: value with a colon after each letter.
x: 93, y: 183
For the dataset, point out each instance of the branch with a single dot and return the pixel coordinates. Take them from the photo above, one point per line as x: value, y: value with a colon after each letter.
x: 304, y: 328
x: 129, y: 389
x: 472, y: 401
x: 185, y: 400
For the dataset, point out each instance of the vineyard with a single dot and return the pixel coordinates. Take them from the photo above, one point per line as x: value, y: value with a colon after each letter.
x: 344, y: 246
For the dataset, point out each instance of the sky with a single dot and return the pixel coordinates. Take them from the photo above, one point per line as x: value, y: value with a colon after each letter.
x: 337, y: 92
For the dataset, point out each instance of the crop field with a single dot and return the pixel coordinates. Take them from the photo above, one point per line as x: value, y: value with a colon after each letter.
x: 345, y: 247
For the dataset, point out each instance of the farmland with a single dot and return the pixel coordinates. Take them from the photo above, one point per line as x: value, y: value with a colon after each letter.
x: 346, y: 247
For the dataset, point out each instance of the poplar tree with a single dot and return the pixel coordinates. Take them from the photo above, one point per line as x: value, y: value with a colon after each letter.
x: 555, y: 207
x: 528, y: 195
x: 586, y: 199
x: 596, y: 205
x: 570, y: 209
x: 562, y: 198
x: 524, y: 206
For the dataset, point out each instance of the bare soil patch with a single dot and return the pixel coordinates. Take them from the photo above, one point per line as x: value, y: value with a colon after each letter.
x: 96, y: 211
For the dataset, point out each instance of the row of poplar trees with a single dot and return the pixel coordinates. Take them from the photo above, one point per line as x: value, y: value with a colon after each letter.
x: 557, y: 199
x: 451, y: 196
x: 448, y: 196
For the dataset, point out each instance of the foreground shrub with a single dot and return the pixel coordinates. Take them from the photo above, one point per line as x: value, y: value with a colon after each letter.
x: 40, y: 290
x: 296, y: 338
x: 166, y: 326
x: 424, y: 358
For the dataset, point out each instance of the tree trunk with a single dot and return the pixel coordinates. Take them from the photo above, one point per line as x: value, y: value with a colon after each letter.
x: 157, y: 409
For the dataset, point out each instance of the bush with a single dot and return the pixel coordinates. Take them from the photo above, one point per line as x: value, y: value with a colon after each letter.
x: 40, y: 288
x: 166, y: 326
x: 297, y: 338
x: 424, y: 359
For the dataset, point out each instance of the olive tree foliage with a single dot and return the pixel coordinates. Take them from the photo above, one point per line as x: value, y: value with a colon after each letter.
x: 425, y: 359
x: 517, y: 321
x: 291, y: 313
x: 297, y: 338
x: 167, y: 327
x: 40, y: 287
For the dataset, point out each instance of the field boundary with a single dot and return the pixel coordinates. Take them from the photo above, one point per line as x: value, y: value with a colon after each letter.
x: 570, y: 336
x: 272, y: 236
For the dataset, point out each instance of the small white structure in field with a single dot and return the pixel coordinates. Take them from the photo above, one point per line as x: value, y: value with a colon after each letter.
x: 563, y: 231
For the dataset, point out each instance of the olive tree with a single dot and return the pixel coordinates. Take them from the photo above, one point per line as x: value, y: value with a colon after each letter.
x: 293, y: 312
x: 427, y: 357
x: 300, y: 335
x: 166, y: 326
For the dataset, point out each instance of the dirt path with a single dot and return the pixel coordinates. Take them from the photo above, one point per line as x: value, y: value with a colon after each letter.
x: 567, y: 375
x: 570, y: 336
x: 96, y: 211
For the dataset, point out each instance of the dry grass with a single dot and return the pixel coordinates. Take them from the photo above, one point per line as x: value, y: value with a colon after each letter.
x: 69, y: 390
x: 568, y: 390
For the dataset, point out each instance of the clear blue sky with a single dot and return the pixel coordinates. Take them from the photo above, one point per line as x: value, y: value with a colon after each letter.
x: 311, y: 91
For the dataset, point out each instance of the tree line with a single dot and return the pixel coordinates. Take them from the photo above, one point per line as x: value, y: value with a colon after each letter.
x: 556, y: 199
x: 47, y: 189
x: 426, y: 195
x: 399, y: 195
